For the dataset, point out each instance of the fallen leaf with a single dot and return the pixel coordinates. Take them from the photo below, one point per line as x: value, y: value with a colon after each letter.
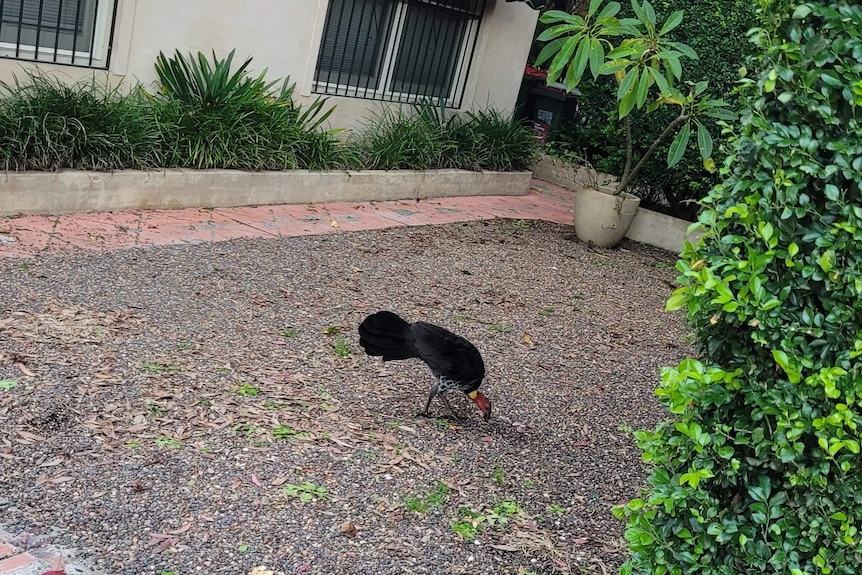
x: 528, y: 341
x: 255, y: 480
x: 334, y: 224
x: 62, y: 479
x: 304, y: 567
x: 181, y: 530
x: 261, y: 570
x: 25, y: 370
x: 348, y: 529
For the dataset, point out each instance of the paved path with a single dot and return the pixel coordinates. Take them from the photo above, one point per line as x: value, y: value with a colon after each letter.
x: 27, y: 236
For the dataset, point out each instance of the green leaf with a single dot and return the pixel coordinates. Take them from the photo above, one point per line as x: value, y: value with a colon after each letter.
x: 549, y: 50
x: 627, y: 104
x: 552, y: 16
x: 672, y: 22
x: 686, y: 50
x: 556, y: 32
x: 827, y: 261
x: 704, y: 141
x: 642, y: 87
x: 611, y: 9
x: 627, y: 83
x: 650, y: 12
x: 594, y: 6
x: 678, y: 299
x: 562, y: 59
x: 674, y: 66
x: 802, y: 11
x: 659, y: 79
x: 579, y: 64
x: 678, y: 146
x: 597, y: 57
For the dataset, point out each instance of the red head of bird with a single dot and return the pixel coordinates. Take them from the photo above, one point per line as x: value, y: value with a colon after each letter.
x: 482, y: 402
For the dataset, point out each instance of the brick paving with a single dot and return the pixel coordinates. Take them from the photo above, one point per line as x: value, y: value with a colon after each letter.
x: 28, y: 236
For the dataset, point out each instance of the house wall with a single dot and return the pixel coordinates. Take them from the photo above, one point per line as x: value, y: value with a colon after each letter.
x: 283, y: 38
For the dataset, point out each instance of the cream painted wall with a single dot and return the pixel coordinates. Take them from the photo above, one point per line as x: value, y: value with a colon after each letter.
x: 283, y: 37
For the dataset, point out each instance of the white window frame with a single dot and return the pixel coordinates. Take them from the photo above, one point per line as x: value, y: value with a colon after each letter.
x: 101, y: 30
x: 387, y: 65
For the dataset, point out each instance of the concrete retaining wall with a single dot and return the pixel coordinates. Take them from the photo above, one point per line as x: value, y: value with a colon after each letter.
x: 78, y: 191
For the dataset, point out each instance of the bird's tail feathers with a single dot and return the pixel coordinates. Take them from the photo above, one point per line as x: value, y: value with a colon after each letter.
x: 385, y: 334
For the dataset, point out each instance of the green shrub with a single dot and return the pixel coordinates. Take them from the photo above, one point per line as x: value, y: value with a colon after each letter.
x: 213, y: 117
x: 490, y: 140
x: 398, y: 139
x: 760, y: 471
x: 48, y: 125
x: 428, y: 137
x: 716, y: 29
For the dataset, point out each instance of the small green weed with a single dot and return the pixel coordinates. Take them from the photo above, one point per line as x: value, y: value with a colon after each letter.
x: 223, y: 370
x: 462, y: 317
x: 521, y: 225
x: 133, y: 444
x: 153, y: 367
x: 306, y: 492
x: 547, y: 311
x: 154, y: 407
x: 556, y: 509
x: 242, y: 548
x: 168, y: 442
x: 421, y: 503
x: 287, y: 332
x: 497, y: 476
x: 286, y: 432
x: 416, y: 504
x: 470, y: 523
x: 244, y: 428
x: 332, y: 330
x: 246, y: 389
x: 500, y: 328
x: 341, y: 347
x: 8, y: 384
x: 184, y: 344
x: 438, y: 496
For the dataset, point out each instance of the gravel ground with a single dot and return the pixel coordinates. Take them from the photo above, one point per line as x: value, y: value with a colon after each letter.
x: 161, y: 405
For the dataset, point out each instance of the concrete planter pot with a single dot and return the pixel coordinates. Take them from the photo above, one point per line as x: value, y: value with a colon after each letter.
x: 603, y: 218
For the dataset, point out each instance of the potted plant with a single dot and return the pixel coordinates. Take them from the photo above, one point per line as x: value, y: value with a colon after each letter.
x: 647, y: 68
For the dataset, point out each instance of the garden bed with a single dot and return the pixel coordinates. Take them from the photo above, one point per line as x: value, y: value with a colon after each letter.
x: 80, y: 191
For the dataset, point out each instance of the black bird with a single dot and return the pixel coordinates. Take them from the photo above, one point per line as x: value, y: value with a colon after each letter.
x: 454, y: 361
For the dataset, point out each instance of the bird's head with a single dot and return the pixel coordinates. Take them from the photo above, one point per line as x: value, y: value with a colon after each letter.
x: 483, y: 402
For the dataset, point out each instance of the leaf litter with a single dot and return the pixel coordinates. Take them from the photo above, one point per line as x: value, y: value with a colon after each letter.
x: 129, y: 426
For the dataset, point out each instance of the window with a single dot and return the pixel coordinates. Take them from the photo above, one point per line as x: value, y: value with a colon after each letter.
x: 398, y: 50
x: 64, y: 31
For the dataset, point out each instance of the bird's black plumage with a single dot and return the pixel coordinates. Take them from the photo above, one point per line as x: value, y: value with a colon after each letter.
x: 454, y: 361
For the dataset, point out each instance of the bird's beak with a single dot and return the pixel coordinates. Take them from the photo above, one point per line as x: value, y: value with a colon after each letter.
x: 484, y: 405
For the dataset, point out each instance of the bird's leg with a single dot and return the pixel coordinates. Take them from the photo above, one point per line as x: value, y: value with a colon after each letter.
x: 430, y: 397
x: 449, y: 407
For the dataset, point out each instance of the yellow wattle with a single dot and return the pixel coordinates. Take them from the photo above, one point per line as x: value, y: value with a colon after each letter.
x: 473, y: 394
